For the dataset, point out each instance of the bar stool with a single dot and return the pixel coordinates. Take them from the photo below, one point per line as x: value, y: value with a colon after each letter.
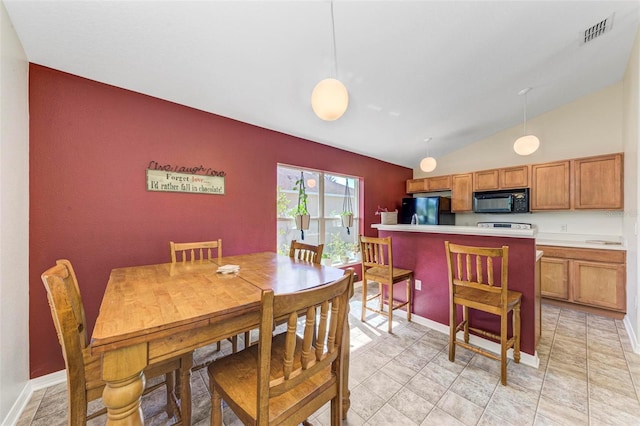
x: 472, y: 284
x: 377, y: 266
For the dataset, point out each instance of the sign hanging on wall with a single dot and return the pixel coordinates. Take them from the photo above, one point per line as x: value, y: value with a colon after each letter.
x: 168, y: 181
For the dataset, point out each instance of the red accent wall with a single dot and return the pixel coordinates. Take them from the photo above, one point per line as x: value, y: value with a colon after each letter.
x: 90, y: 145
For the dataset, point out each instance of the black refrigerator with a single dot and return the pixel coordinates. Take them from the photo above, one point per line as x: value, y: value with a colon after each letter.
x: 427, y: 211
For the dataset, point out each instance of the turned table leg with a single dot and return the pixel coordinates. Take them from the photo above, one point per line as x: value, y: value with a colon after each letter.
x: 122, y: 370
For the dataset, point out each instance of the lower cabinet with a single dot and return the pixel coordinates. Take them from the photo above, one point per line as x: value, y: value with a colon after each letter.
x: 589, y: 277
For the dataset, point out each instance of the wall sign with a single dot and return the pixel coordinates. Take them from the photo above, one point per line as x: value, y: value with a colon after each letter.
x: 168, y: 181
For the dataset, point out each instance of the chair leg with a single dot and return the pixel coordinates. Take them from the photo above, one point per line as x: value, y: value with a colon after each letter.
x: 465, y: 318
x: 452, y: 331
x: 516, y: 331
x: 364, y: 300
x: 409, y: 291
x: 381, y: 299
x: 390, y: 303
x: 218, y: 346
x: 234, y: 344
x: 503, y: 348
x: 216, y: 405
x: 169, y: 380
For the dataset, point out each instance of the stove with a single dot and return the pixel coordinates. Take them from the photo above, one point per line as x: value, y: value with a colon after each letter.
x: 508, y: 225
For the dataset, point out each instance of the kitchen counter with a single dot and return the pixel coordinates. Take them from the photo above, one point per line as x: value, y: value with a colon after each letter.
x: 420, y: 248
x: 600, y: 242
x: 460, y: 230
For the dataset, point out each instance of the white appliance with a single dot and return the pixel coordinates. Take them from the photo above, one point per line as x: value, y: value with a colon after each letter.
x: 508, y: 225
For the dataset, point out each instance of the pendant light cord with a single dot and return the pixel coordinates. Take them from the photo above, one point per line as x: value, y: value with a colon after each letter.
x: 333, y: 33
x: 524, y: 124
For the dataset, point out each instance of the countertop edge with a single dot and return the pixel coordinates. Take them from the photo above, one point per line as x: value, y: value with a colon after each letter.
x: 461, y: 230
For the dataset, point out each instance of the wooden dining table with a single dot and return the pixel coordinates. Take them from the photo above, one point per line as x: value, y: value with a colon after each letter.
x: 152, y: 313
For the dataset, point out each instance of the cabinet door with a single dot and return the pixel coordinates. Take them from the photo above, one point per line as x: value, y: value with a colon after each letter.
x: 462, y: 193
x: 439, y: 183
x: 554, y: 278
x: 485, y: 180
x: 416, y: 185
x: 550, y: 186
x: 514, y: 177
x: 598, y: 182
x: 599, y: 284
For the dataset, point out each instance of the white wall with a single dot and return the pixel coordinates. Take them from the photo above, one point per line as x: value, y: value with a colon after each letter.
x: 14, y: 219
x: 591, y: 125
x: 630, y: 135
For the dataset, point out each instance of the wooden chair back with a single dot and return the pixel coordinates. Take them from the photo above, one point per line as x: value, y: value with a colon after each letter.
x: 476, y: 268
x: 192, y: 252
x: 377, y: 258
x: 68, y: 316
x: 306, y: 252
x: 325, y: 311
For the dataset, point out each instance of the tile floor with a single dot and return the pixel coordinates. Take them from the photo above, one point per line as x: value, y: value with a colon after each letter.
x: 588, y: 375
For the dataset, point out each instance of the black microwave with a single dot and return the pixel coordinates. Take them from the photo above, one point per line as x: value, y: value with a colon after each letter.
x: 503, y: 201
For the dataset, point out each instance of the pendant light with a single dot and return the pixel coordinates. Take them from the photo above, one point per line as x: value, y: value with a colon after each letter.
x: 526, y: 144
x: 428, y: 164
x: 330, y: 98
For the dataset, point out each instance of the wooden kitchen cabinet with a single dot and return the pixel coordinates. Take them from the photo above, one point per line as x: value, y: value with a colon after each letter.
x: 554, y: 278
x: 599, y: 182
x: 462, y: 193
x: 416, y: 185
x: 439, y: 183
x: 514, y: 177
x: 486, y: 180
x: 586, y: 277
x: 432, y: 184
x: 550, y: 186
x: 506, y: 178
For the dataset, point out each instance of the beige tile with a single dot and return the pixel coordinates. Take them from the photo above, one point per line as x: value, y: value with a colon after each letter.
x: 559, y: 411
x: 438, y: 374
x: 477, y: 392
x: 615, y: 379
x: 388, y: 415
x: 426, y: 388
x: 438, y: 417
x: 365, y: 403
x: 413, y: 406
x: 382, y: 385
x: 461, y: 408
x: 513, y: 402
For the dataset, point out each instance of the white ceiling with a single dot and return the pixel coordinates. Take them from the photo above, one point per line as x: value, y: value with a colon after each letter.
x: 450, y: 70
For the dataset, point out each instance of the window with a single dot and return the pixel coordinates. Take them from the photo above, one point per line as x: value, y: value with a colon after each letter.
x: 328, y: 197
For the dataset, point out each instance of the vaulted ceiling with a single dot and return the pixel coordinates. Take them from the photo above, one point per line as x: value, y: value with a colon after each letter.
x: 449, y: 70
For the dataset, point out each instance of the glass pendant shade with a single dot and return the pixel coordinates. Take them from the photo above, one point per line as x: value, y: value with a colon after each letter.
x: 329, y: 99
x: 428, y: 164
x: 526, y: 145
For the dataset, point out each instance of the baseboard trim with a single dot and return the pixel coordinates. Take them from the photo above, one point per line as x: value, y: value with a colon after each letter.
x: 25, y: 396
x: 632, y: 335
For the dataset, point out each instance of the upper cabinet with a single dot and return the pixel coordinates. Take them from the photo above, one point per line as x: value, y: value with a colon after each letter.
x: 550, y: 186
x: 590, y: 183
x: 416, y: 185
x: 506, y: 178
x: 599, y: 182
x: 432, y: 184
x: 462, y: 193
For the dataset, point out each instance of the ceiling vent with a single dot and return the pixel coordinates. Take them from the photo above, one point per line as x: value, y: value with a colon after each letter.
x: 598, y: 29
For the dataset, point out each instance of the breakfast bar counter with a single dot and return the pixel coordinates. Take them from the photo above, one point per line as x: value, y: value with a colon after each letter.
x: 421, y: 249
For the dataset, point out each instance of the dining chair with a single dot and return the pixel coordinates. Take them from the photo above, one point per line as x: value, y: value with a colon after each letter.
x: 377, y: 266
x: 193, y: 252
x: 478, y: 279
x: 287, y: 377
x: 84, y: 369
x: 199, y: 252
x: 307, y: 252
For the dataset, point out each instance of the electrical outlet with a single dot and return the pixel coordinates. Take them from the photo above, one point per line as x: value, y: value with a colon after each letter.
x: 563, y: 227
x: 418, y: 285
